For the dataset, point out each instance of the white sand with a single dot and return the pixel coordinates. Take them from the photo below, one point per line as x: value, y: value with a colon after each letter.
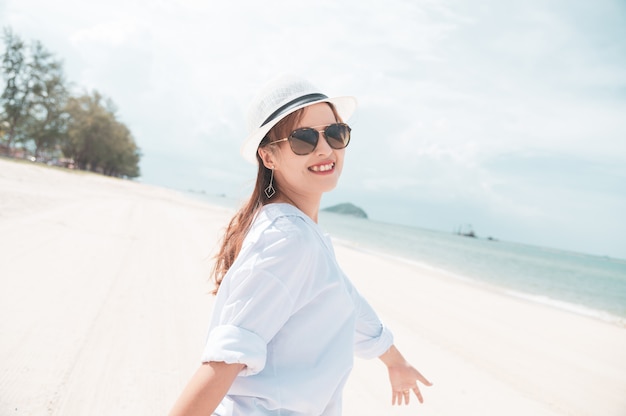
x: 104, y: 307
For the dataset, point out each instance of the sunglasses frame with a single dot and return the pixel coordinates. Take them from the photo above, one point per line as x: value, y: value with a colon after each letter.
x: 323, y: 132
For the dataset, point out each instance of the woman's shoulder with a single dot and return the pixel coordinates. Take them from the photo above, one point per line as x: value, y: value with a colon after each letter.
x: 283, y: 222
x: 283, y: 218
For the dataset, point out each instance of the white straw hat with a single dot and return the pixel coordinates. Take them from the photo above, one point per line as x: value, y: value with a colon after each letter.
x: 279, y: 98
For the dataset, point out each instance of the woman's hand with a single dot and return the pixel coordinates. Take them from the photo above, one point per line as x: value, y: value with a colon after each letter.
x: 403, y: 377
x: 403, y: 380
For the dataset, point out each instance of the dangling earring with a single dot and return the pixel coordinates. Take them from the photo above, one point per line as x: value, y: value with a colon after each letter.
x: 270, y: 191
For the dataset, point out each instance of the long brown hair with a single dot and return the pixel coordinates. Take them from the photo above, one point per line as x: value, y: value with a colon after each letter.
x: 239, y: 225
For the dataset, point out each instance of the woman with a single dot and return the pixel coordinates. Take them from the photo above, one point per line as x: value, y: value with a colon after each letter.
x: 287, y: 321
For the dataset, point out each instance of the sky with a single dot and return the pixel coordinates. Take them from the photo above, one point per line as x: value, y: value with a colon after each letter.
x: 506, y: 115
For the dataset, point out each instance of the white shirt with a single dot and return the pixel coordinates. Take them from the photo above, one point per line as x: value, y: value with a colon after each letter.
x: 287, y: 311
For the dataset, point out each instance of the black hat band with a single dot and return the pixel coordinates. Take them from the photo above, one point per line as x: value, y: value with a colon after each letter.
x: 305, y: 99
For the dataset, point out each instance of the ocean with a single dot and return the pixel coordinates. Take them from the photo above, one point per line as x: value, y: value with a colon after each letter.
x: 589, y: 285
x: 585, y: 284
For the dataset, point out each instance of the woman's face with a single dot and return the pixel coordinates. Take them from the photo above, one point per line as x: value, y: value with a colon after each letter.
x: 311, y: 174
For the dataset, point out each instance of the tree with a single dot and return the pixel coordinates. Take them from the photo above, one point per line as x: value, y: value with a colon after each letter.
x: 34, y: 95
x: 122, y: 157
x: 96, y: 140
x: 46, y: 120
x: 15, y: 96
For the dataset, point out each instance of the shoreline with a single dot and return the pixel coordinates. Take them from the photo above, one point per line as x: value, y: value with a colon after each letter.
x: 576, y: 309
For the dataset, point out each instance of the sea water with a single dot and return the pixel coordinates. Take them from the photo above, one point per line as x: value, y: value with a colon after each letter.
x: 581, y: 283
x: 585, y: 284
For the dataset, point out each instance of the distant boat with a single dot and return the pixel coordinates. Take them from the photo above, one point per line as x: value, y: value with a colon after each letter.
x: 466, y: 231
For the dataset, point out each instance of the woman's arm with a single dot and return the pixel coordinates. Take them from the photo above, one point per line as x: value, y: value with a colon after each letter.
x: 403, y: 377
x: 206, y: 389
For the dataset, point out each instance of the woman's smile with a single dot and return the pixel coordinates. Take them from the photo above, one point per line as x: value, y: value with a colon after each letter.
x: 323, y: 168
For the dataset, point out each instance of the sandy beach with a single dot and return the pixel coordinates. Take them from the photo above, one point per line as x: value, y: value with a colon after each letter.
x: 104, y: 307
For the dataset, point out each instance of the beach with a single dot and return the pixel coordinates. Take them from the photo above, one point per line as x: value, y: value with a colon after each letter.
x: 104, y: 307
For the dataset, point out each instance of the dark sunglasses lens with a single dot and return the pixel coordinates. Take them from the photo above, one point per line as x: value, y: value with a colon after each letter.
x: 338, y: 135
x: 303, y: 141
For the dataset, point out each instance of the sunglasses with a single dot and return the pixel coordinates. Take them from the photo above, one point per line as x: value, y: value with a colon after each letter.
x: 304, y: 140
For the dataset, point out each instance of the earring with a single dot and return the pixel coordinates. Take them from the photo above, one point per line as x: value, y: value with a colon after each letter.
x: 270, y: 191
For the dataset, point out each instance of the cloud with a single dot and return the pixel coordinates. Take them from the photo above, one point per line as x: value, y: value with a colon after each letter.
x: 108, y: 34
x: 509, y: 113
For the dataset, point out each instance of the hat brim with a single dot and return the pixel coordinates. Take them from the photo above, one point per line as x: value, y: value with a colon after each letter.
x: 345, y: 107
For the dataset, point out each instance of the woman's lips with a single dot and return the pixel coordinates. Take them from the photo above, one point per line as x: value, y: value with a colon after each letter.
x: 323, y: 167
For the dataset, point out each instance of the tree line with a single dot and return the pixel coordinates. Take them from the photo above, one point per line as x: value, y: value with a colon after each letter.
x: 41, y: 118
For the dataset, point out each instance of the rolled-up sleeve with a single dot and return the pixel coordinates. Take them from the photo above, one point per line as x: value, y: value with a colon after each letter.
x: 372, y: 338
x: 232, y: 344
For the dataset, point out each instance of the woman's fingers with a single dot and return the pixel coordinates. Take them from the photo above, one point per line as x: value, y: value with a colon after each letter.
x: 418, y: 393
x: 403, y: 396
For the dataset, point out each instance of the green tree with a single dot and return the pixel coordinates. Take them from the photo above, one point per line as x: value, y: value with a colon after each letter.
x: 45, y: 125
x: 122, y: 156
x: 96, y: 140
x: 34, y: 95
x: 14, y: 100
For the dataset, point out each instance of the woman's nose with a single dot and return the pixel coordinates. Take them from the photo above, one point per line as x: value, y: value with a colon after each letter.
x: 323, y: 148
